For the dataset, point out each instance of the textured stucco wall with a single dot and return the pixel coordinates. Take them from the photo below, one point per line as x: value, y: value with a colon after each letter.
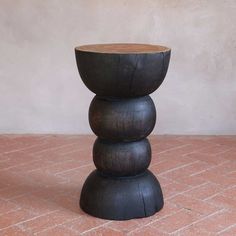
x: 40, y: 89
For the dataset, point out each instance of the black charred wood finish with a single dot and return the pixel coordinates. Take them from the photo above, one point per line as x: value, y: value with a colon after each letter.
x: 122, y: 119
x: 122, y: 115
x: 121, y: 158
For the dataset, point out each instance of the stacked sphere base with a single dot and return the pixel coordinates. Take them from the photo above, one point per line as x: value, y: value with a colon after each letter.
x: 122, y: 115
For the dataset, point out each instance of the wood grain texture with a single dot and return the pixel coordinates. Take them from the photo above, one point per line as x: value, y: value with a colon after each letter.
x: 122, y: 119
x: 121, y: 159
x: 120, y: 48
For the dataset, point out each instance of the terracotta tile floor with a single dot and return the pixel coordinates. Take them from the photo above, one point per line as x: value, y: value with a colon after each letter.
x: 41, y: 179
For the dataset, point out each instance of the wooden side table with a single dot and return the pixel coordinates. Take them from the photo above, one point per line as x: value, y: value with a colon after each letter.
x: 122, y: 115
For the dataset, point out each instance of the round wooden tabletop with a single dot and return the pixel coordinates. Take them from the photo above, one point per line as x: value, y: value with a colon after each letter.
x: 123, y: 48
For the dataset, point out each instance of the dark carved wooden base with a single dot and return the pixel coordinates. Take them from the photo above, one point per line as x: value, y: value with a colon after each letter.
x: 121, y: 198
x: 122, y: 115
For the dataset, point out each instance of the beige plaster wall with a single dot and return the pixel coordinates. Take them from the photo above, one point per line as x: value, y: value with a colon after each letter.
x: 40, y: 89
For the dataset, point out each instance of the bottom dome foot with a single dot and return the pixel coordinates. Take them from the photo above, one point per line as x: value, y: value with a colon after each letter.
x: 121, y: 198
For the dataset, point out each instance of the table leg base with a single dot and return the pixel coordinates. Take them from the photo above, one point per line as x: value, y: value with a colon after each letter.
x: 121, y: 198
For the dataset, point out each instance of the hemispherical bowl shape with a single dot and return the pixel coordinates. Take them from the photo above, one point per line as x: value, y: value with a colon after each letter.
x: 122, y: 70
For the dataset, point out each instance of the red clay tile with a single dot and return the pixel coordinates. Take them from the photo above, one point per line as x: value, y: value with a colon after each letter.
x: 48, y: 221
x: 213, y: 150
x: 173, y: 189
x: 11, y: 191
x: 213, y: 160
x: 229, y: 141
x: 36, y: 205
x: 58, y: 231
x: 161, y: 147
x: 14, y: 231
x: 177, y: 173
x: 193, y: 181
x: 78, y: 175
x: 74, y: 147
x: 231, y: 231
x: 124, y: 226
x: 6, y: 206
x: 15, y: 159
x: 217, y: 222
x: 195, y: 205
x: 13, y: 146
x: 217, y: 178
x: 85, y: 223
x: 68, y: 203
x: 170, y: 165
x: 164, y: 181
x: 225, y: 168
x: 8, y: 178
x: 176, y: 221
x: 81, y: 156
x: 63, y: 166
x: 232, y: 175
x: 29, y: 140
x: 103, y: 231
x: 30, y: 166
x: 182, y: 150
x: 14, y: 217
x: 230, y: 154
x: 204, y: 191
x: 223, y: 201
x: 148, y: 231
x: 43, y: 178
x: 193, y: 231
x: 196, y: 141
x: 230, y: 193
x: 167, y: 210
x: 42, y: 175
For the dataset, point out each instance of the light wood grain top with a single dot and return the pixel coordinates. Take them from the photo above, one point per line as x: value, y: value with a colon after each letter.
x: 123, y: 48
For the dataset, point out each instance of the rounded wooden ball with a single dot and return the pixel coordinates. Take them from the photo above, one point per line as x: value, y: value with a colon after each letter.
x: 122, y: 119
x: 121, y: 158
